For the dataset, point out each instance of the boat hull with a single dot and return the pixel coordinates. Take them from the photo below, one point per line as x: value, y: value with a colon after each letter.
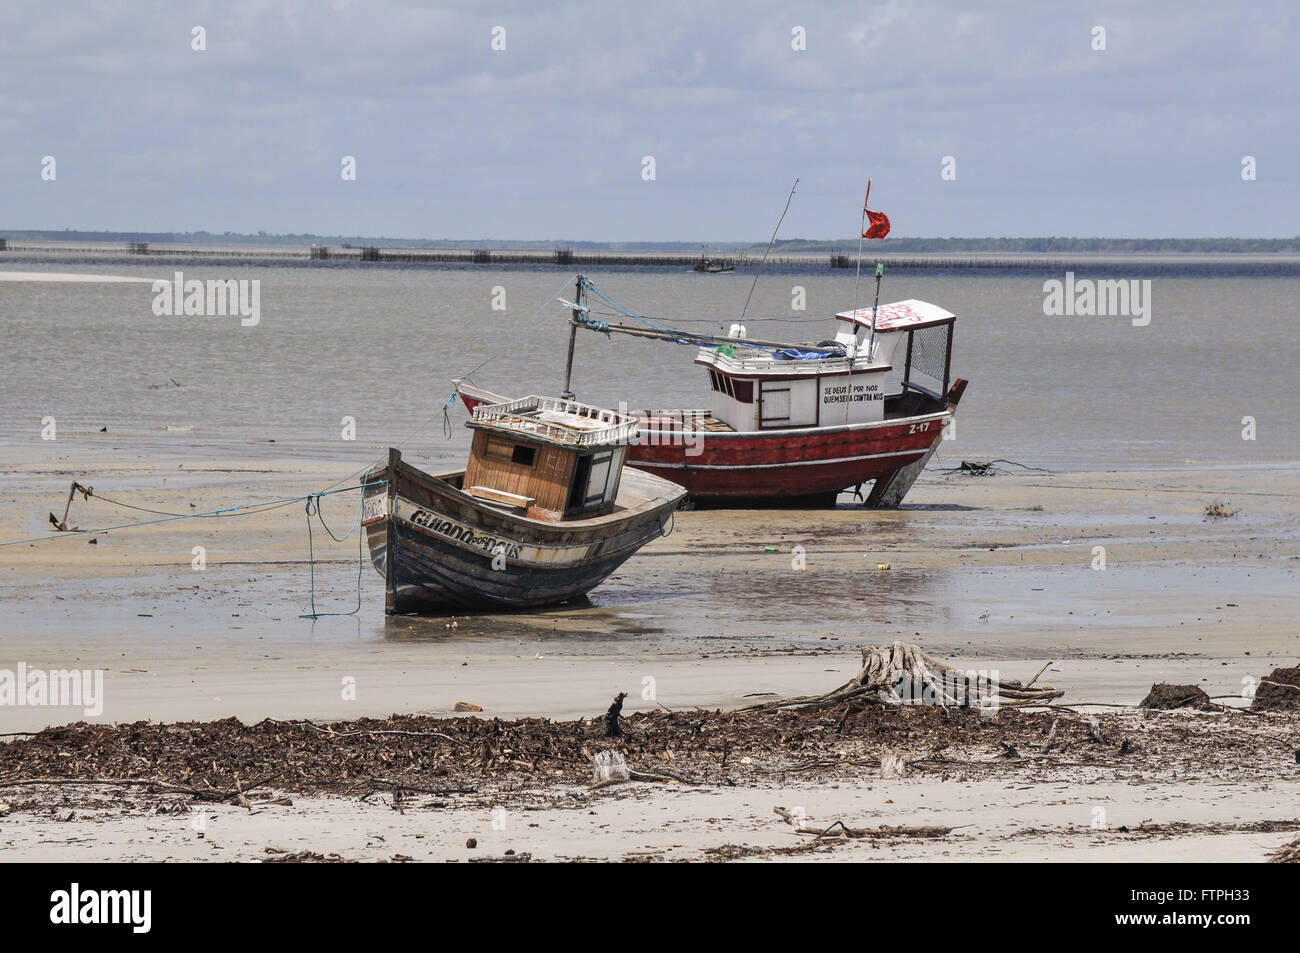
x: 794, y: 466
x: 441, y: 550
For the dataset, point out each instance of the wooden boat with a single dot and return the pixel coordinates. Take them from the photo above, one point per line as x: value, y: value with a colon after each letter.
x: 798, y: 424
x: 544, y: 511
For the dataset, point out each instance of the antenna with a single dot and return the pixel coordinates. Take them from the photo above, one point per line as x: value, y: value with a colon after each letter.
x: 745, y: 310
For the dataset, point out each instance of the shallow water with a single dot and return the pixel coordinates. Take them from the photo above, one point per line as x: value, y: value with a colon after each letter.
x: 381, y: 344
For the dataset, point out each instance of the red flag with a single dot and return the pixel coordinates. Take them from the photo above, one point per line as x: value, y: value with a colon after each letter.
x: 879, y: 220
x: 879, y: 225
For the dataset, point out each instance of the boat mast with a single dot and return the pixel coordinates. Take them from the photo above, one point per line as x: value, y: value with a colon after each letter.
x: 871, y: 344
x: 579, y: 307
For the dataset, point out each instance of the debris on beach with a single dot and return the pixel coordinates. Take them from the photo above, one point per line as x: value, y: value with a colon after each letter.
x: 863, y: 728
x: 305, y: 857
x: 1280, y: 691
x: 609, y: 767
x: 1219, y: 511
x: 612, y: 728
x: 839, y: 829
x: 1286, y: 854
x: 990, y: 468
x: 892, y: 764
x: 1166, y: 697
x: 902, y: 672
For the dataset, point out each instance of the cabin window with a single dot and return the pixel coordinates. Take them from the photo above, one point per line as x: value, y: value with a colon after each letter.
x: 594, y: 478
x: 581, y: 478
x: 507, y: 450
x: 598, y: 481
x: 742, y: 391
x: 927, y: 360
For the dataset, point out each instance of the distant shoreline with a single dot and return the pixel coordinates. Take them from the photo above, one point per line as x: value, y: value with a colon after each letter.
x: 25, y: 253
x: 1030, y: 246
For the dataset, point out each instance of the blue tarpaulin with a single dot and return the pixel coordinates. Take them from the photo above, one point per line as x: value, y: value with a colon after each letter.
x: 799, y: 354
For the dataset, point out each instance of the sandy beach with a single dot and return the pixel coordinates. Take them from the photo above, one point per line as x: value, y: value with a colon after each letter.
x: 987, y: 572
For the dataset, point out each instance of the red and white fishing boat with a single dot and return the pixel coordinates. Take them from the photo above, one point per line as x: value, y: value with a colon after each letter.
x: 797, y: 424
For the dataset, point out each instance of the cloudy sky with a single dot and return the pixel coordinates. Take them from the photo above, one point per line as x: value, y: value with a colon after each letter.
x: 546, y: 138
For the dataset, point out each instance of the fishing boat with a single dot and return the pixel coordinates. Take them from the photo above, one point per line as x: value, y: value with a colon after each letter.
x: 796, y: 424
x: 714, y: 266
x: 543, y: 512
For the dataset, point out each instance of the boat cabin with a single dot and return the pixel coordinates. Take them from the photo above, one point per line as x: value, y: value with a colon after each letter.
x: 857, y: 378
x: 547, y: 458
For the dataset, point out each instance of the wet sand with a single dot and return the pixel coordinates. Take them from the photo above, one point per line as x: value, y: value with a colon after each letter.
x: 987, y: 572
x: 991, y: 571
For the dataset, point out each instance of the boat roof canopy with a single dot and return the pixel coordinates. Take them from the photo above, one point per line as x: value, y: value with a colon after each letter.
x: 909, y: 315
x: 552, y: 420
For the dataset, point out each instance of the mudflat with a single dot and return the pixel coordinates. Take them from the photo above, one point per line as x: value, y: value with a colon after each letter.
x: 1119, y: 579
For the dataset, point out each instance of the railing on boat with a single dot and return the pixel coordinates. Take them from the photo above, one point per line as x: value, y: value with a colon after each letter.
x: 525, y: 415
x: 767, y: 364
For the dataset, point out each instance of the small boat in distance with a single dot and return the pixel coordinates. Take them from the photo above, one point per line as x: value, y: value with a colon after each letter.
x: 713, y: 266
x: 544, y: 511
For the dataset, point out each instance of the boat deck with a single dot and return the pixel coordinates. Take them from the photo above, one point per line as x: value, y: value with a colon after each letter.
x: 695, y: 420
x: 897, y: 407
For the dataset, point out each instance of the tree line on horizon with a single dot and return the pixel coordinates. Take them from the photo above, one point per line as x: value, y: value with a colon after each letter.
x: 1039, y: 245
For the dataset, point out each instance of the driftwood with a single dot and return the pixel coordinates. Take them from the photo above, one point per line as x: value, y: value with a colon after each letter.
x: 839, y: 829
x: 333, y: 733
x: 612, y: 728
x: 1286, y: 854
x: 1051, y: 736
x: 903, y: 673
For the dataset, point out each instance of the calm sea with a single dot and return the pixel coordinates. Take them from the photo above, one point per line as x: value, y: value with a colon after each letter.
x: 381, y: 344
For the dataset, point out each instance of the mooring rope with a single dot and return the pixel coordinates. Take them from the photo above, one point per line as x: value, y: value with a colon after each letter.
x: 242, y: 509
x: 312, y: 507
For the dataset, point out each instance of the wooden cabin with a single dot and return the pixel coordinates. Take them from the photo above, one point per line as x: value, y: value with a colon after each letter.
x: 547, y: 458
